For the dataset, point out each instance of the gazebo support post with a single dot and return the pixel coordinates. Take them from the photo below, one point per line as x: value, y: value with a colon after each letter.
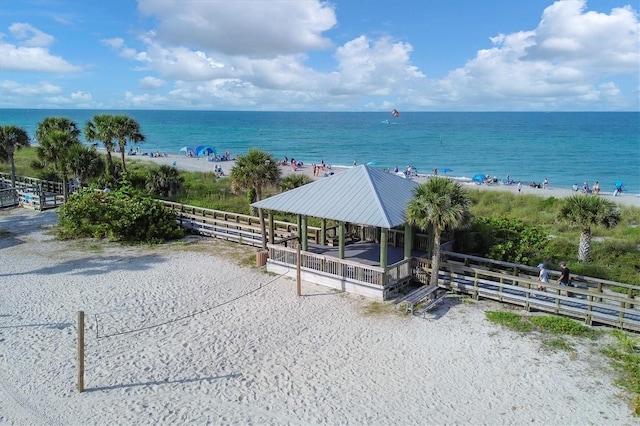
x: 272, y: 228
x: 341, y: 240
x: 305, y: 240
x: 323, y: 231
x: 384, y: 238
x: 408, y: 240
x: 299, y: 228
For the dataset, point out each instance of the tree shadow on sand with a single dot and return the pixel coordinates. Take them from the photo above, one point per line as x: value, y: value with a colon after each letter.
x: 89, y: 266
x: 18, y: 222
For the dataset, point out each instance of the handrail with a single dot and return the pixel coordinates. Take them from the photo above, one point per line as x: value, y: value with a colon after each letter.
x: 592, y: 304
x: 516, y: 268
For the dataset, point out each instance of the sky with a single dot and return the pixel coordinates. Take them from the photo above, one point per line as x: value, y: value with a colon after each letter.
x: 309, y: 55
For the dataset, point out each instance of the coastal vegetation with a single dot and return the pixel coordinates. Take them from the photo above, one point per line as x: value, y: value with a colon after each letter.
x: 624, y: 352
x: 12, y: 138
x: 124, y: 214
x: 440, y: 204
x: 584, y: 212
x: 517, y: 228
x: 251, y: 173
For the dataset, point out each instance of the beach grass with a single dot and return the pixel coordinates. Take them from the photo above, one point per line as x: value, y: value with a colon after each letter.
x: 374, y: 309
x: 624, y: 353
x: 545, y: 323
x: 625, y: 359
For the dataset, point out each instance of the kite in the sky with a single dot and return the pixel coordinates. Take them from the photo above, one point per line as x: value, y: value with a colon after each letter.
x: 395, y: 113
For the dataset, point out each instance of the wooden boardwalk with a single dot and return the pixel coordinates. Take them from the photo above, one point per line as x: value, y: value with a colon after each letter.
x: 593, y: 300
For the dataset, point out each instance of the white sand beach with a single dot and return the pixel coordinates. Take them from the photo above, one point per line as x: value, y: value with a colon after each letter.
x: 220, y: 343
x: 202, y: 165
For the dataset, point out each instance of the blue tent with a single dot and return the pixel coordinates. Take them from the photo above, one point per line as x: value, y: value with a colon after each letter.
x: 205, y: 150
x: 479, y: 178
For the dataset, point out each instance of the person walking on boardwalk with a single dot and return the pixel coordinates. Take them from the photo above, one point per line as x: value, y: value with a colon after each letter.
x: 543, y: 277
x: 564, y: 276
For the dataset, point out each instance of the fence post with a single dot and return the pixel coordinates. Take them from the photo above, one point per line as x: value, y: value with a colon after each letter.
x: 80, y: 351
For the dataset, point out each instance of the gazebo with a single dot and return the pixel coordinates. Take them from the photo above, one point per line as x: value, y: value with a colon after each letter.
x: 363, y: 198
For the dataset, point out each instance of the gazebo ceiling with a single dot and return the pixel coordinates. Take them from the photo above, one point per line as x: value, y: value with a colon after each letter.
x: 362, y: 195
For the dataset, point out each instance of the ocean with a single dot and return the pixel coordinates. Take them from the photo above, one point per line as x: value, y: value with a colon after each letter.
x: 564, y: 147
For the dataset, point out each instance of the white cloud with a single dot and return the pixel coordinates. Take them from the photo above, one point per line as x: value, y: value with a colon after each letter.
x: 149, y: 82
x: 561, y: 63
x: 81, y: 97
x: 32, y: 54
x: 251, y: 54
x: 30, y: 36
x: 377, y: 67
x: 243, y: 27
x: 13, y: 88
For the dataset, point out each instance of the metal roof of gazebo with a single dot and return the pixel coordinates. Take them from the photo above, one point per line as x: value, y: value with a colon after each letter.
x: 362, y: 195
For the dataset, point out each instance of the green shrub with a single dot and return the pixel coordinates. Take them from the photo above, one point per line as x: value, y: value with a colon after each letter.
x: 123, y: 215
x: 503, y: 238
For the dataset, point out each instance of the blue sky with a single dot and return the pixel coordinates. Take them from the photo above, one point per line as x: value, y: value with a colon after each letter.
x: 307, y: 55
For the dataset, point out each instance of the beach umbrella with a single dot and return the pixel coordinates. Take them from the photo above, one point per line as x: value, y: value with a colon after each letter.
x: 478, y: 178
x: 205, y: 150
x: 186, y: 149
x: 447, y: 170
x: 401, y: 174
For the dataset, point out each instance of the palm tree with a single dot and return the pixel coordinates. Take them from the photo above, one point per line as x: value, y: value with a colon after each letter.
x: 53, y: 149
x: 85, y: 163
x: 294, y: 181
x: 12, y: 138
x: 164, y: 181
x: 585, y: 211
x: 55, y: 136
x: 101, y: 128
x: 443, y: 204
x: 57, y: 123
x: 252, y: 172
x: 126, y: 129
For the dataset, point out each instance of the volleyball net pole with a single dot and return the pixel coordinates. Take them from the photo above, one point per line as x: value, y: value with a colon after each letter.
x: 80, y: 351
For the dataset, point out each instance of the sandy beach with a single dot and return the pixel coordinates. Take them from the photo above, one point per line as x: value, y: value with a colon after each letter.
x: 202, y: 165
x: 179, y: 333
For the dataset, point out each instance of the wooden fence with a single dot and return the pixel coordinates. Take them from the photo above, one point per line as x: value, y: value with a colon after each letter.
x: 29, y: 192
x: 240, y: 228
x: 590, y: 299
x: 28, y: 182
x: 8, y: 197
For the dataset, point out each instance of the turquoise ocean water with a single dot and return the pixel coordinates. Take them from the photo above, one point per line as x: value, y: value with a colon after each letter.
x: 566, y: 148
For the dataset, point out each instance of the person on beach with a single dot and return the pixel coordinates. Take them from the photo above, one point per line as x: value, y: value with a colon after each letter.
x: 619, y: 188
x: 585, y: 187
x: 596, y: 188
x: 519, y: 186
x: 575, y: 187
x: 543, y: 277
x: 564, y: 276
x: 545, y: 183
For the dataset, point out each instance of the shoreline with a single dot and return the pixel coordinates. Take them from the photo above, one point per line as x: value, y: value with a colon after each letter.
x: 201, y: 164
